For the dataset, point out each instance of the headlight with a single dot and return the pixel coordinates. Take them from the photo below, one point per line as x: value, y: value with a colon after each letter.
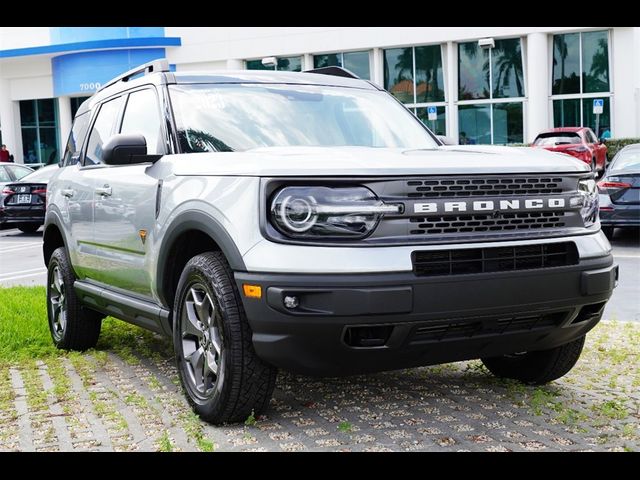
x: 340, y: 212
x: 587, y: 200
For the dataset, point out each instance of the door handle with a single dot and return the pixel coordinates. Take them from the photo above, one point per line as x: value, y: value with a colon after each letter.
x: 67, y: 192
x: 105, y: 191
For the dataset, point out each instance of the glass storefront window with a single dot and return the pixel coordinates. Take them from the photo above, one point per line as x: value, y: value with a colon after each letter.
x: 507, y: 123
x: 438, y: 126
x: 428, y: 74
x: 39, y: 124
x: 595, y: 62
x: 566, y: 113
x: 357, y: 62
x: 287, y: 64
x: 580, y: 70
x: 566, y: 64
x: 506, y: 69
x: 473, y: 71
x: 490, y: 74
x: 398, y: 73
x: 474, y: 124
x: 589, y: 119
x: 75, y: 105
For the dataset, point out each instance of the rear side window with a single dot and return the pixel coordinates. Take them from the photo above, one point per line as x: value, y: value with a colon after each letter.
x: 557, y: 138
x: 141, y: 116
x: 102, y: 129
x: 18, y: 172
x: 76, y: 139
x: 4, y: 175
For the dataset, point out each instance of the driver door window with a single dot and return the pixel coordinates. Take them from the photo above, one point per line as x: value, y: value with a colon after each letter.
x: 103, y: 128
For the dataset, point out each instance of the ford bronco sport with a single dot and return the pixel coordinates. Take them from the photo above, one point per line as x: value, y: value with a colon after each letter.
x: 308, y: 221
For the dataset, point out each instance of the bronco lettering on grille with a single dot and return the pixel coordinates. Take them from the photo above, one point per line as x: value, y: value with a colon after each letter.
x: 488, y: 205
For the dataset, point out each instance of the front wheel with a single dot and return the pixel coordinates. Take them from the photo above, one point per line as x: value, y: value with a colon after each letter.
x: 222, y: 376
x: 537, y: 368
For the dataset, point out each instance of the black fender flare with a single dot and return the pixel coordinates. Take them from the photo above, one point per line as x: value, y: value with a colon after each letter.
x: 52, y: 217
x: 195, y: 220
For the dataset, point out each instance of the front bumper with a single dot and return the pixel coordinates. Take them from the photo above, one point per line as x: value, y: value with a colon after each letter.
x: 356, y: 323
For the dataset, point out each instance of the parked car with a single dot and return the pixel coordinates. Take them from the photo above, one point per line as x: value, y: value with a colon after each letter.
x: 310, y: 222
x: 579, y: 142
x: 620, y: 191
x: 11, y: 172
x: 22, y: 203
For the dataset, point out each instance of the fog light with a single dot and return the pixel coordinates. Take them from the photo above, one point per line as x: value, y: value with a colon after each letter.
x: 291, y: 302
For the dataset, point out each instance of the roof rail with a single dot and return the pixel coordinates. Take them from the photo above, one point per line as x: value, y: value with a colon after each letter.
x: 158, y: 65
x: 335, y: 71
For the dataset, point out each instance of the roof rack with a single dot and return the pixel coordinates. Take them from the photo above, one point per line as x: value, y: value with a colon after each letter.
x: 335, y: 71
x: 158, y: 65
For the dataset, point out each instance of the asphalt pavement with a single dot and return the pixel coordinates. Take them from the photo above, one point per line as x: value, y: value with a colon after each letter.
x: 21, y: 264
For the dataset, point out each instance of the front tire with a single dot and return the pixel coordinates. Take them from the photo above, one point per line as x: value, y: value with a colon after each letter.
x: 222, y: 376
x: 537, y: 368
x: 72, y: 326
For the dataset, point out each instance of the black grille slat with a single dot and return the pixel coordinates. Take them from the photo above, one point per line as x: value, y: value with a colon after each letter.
x: 481, y: 223
x: 494, y: 259
x: 484, y: 186
x: 439, y: 330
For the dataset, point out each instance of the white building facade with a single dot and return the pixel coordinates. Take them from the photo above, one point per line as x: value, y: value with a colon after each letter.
x: 488, y: 85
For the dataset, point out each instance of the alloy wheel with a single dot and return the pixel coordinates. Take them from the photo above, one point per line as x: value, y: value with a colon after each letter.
x: 202, y: 341
x: 58, y: 301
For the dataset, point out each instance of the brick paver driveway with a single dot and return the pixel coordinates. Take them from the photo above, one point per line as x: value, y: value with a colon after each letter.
x: 126, y: 397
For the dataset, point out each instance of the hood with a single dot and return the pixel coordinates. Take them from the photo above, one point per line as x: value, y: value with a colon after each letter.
x: 367, y: 161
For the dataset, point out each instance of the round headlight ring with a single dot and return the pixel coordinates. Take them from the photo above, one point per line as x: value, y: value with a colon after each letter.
x: 304, y: 210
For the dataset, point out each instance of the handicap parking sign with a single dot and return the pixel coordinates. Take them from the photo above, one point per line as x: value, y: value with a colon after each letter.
x: 598, y: 106
x: 432, y: 113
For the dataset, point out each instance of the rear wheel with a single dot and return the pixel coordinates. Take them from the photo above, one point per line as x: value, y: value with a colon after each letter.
x: 28, y: 227
x: 537, y: 368
x: 222, y: 376
x: 72, y: 326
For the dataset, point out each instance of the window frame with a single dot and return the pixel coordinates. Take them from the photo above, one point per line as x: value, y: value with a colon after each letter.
x: 82, y: 144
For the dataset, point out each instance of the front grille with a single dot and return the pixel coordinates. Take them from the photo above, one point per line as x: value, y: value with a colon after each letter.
x: 475, y: 187
x: 440, y: 330
x: 485, y: 223
x: 494, y: 259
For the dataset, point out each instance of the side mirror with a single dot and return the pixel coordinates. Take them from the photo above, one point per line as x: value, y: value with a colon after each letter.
x: 447, y: 140
x: 126, y: 149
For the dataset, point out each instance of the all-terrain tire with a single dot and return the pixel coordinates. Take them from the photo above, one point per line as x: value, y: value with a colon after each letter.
x: 537, y: 368
x: 242, y: 384
x: 72, y: 326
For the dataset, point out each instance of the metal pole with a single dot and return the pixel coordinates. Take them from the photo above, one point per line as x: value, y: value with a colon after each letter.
x: 597, y: 125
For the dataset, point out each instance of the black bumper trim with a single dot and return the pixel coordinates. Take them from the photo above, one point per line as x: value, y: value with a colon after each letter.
x: 310, y: 338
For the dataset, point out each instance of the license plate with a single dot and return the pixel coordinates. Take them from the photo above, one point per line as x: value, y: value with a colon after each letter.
x: 24, y: 198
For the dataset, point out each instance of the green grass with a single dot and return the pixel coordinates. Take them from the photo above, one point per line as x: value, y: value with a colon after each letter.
x: 24, y: 331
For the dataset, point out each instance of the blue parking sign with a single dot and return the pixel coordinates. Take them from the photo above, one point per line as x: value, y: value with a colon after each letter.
x: 598, y: 106
x: 432, y: 113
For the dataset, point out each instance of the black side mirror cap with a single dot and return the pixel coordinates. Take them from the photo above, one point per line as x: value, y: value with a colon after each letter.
x: 126, y: 149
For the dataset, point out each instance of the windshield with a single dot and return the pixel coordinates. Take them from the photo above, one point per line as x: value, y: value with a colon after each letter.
x: 241, y: 117
x: 552, y: 139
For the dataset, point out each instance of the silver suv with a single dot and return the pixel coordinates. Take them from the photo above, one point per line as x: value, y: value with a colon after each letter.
x: 308, y: 221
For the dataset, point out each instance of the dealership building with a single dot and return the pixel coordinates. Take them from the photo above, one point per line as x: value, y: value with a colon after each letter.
x: 484, y: 85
